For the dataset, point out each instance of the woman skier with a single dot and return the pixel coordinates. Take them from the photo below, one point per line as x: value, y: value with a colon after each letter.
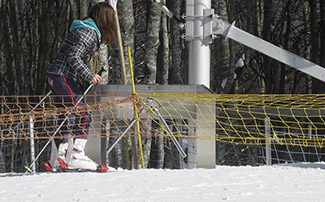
x: 79, y: 45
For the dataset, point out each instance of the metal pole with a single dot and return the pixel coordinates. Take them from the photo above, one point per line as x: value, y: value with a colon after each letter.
x: 32, y: 144
x: 268, y: 141
x: 199, y: 73
x: 199, y: 67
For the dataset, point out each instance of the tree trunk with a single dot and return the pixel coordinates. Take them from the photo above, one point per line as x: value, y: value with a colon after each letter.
x: 84, y: 5
x: 317, y: 86
x: 221, y: 71
x: 126, y: 19
x: 269, y: 13
x: 146, y: 142
x: 153, y: 30
x: 163, y: 53
x: 128, y: 32
x: 232, y: 45
x: 322, y: 33
x: 162, y: 78
x: 160, y: 150
x: 74, y: 9
x: 176, y: 74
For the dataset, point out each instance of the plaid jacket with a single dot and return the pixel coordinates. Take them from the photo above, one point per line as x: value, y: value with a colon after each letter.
x: 76, y: 49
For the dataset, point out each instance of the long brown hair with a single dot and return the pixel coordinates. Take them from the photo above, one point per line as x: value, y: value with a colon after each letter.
x: 104, y: 16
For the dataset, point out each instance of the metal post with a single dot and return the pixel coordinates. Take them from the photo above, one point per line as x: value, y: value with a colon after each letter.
x: 199, y: 73
x: 268, y: 141
x: 32, y: 144
x: 199, y: 67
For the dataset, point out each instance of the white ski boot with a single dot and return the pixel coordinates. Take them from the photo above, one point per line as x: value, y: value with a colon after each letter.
x: 63, y: 147
x: 60, y: 161
x: 79, y: 160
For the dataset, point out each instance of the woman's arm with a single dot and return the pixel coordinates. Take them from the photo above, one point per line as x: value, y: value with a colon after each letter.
x: 84, y: 39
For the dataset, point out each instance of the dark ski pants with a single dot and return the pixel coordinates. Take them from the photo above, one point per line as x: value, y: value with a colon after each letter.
x: 68, y: 94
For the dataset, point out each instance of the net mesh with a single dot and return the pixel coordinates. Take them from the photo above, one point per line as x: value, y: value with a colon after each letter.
x: 241, y: 124
x: 243, y: 119
x: 292, y: 119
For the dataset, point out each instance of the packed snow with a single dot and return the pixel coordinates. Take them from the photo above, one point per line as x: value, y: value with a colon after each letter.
x: 294, y: 182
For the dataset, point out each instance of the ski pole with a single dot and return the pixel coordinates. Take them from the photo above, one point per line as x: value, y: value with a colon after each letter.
x: 57, y: 130
x: 174, y: 140
x: 172, y: 137
x: 116, y: 140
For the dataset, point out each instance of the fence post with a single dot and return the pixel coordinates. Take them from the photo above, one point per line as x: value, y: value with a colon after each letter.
x: 2, y: 159
x: 32, y: 144
x: 268, y: 141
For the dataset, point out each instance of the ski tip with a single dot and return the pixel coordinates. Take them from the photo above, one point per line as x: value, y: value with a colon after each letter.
x: 63, y: 165
x: 102, y: 168
x: 28, y: 169
x: 47, y: 167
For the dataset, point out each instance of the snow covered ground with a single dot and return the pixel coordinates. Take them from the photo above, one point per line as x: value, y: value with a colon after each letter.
x: 297, y: 182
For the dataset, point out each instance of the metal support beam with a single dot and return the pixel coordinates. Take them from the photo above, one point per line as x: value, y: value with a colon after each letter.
x: 218, y: 26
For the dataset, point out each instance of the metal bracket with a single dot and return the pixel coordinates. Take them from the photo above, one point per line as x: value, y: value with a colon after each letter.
x: 230, y: 29
x: 207, y: 26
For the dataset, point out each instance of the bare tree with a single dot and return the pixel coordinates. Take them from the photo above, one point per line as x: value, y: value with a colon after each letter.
x: 126, y: 19
x: 177, y: 45
x: 222, y: 73
x: 153, y: 30
x: 315, y: 41
x: 163, y: 53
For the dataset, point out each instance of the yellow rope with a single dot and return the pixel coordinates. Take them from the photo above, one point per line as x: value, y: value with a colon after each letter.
x: 96, y: 63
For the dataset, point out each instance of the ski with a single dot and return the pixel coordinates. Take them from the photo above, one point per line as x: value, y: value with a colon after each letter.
x: 64, y: 168
x: 13, y: 174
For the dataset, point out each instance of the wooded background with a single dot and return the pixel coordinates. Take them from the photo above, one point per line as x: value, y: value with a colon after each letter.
x: 31, y: 32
